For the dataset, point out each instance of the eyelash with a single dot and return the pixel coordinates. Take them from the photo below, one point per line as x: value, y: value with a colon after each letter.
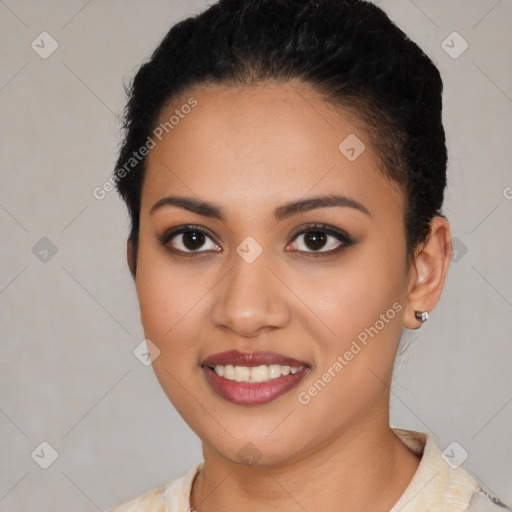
x: 340, y: 235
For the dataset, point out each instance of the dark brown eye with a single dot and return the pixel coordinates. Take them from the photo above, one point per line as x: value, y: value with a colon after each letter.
x: 315, y: 239
x: 189, y: 239
x: 321, y: 239
x: 193, y: 239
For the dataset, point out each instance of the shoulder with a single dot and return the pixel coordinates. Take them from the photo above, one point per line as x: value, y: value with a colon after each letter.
x: 150, y: 501
x: 440, y: 482
x: 482, y: 501
x: 173, y: 496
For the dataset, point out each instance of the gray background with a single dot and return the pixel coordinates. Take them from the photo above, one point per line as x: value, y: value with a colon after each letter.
x: 70, y: 321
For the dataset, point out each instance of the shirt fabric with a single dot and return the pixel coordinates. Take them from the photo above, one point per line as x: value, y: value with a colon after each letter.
x: 436, y: 486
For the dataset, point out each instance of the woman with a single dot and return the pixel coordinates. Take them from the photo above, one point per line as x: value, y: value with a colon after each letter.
x: 284, y: 166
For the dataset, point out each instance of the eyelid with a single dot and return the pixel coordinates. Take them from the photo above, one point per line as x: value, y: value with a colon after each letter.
x: 320, y: 226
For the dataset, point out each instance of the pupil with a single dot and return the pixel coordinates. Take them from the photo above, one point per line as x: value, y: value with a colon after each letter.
x: 193, y: 239
x: 317, y: 238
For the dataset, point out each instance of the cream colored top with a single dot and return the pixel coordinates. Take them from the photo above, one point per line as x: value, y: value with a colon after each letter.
x: 436, y: 486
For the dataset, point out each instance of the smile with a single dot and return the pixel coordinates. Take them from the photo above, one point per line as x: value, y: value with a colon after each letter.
x: 251, y: 378
x: 261, y: 373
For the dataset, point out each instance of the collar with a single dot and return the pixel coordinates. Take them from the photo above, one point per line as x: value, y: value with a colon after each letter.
x: 436, y: 485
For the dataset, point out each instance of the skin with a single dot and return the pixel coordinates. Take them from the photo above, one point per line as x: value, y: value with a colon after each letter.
x: 250, y: 150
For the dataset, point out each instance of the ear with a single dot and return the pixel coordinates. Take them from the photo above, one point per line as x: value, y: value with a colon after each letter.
x: 428, y: 271
x: 131, y: 257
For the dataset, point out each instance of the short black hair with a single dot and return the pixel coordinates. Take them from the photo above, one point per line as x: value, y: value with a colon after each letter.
x: 348, y: 50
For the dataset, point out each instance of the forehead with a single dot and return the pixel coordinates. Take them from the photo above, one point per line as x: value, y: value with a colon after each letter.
x: 249, y: 147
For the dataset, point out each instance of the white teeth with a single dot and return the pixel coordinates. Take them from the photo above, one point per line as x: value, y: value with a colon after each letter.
x: 274, y: 371
x: 242, y: 373
x: 260, y: 373
x: 229, y: 372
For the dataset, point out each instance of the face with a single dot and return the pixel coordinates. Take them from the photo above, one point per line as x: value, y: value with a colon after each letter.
x: 254, y: 277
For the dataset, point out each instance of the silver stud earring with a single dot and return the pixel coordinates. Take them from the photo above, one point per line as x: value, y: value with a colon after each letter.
x: 422, y: 316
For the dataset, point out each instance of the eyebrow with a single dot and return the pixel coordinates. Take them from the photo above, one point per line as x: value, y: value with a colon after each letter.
x: 282, y: 212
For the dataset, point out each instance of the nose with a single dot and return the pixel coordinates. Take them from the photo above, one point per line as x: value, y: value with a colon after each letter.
x: 250, y: 300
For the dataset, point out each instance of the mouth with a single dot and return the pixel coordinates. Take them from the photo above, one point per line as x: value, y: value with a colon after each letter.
x: 253, y: 378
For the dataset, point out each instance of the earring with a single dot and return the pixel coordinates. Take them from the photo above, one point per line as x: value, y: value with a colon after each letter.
x: 422, y: 316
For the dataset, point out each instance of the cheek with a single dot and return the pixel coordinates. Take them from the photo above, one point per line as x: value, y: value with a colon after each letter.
x: 168, y: 298
x: 169, y: 302
x: 355, y: 354
x: 346, y: 299
x: 357, y: 326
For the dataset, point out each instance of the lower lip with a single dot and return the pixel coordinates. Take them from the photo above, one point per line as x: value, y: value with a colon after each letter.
x: 253, y: 393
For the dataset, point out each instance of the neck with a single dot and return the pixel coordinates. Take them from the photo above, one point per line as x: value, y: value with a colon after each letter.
x: 366, y: 468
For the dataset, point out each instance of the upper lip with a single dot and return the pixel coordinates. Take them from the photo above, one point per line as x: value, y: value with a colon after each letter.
x: 236, y: 358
